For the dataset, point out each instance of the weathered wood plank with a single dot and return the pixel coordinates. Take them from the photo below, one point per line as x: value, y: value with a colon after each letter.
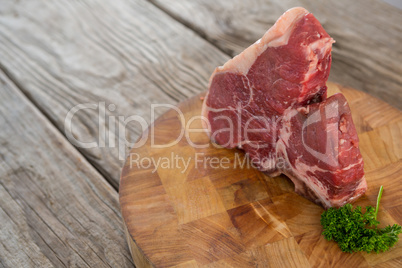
x: 55, y: 208
x: 127, y: 53
x: 367, y: 54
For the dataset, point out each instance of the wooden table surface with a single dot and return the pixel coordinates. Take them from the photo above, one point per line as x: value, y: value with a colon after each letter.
x: 109, y: 60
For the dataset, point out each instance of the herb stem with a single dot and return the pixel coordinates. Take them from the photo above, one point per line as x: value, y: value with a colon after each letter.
x: 378, y: 202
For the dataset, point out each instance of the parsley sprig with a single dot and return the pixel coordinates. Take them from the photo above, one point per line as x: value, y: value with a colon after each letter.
x: 356, y: 231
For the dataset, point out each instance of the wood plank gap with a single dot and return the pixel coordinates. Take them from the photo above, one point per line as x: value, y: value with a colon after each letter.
x: 70, y: 218
x: 191, y: 27
x: 25, y: 93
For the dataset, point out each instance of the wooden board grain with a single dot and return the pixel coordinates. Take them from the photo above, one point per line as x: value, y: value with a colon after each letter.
x: 234, y: 216
x: 56, y: 210
x: 367, y: 54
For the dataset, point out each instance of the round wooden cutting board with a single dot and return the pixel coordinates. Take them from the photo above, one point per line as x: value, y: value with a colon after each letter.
x: 187, y: 203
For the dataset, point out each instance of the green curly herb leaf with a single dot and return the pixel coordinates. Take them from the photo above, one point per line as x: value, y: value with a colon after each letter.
x: 355, y: 231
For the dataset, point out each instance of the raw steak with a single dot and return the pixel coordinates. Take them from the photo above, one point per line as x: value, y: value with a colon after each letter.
x: 271, y: 101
